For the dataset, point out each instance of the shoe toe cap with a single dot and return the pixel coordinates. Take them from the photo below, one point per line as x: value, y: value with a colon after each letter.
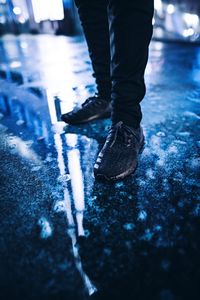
x: 68, y: 117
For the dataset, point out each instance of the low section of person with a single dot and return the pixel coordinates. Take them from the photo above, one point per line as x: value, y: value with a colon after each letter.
x: 118, y: 33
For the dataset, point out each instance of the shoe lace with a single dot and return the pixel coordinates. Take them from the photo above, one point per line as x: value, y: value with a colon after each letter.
x: 93, y: 101
x: 122, y: 130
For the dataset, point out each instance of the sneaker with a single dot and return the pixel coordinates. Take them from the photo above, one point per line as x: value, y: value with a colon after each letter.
x: 93, y: 108
x: 119, y: 156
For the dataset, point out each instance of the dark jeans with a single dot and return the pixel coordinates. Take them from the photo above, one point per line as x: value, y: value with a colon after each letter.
x: 118, y: 33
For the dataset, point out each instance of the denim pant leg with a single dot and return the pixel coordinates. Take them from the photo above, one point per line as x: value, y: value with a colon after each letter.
x: 130, y: 24
x: 94, y: 19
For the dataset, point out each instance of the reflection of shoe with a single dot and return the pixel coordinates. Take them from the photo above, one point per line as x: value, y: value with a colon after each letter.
x: 93, y: 108
x: 119, y: 156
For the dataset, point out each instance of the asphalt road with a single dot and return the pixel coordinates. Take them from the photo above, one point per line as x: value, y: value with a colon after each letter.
x: 64, y: 235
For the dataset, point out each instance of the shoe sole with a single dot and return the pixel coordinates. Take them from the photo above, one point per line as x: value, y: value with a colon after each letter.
x: 124, y: 174
x: 95, y: 117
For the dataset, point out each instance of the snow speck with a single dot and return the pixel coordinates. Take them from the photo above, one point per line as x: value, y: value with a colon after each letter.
x: 142, y: 215
x: 59, y: 127
x: 150, y: 174
x: 46, y: 230
x: 129, y: 226
x: 172, y: 149
x: 59, y: 206
x: 35, y: 169
x: 160, y: 133
x: 64, y: 178
x: 20, y: 122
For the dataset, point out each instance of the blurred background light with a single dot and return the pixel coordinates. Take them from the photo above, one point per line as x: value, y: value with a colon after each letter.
x: 174, y: 20
x: 188, y: 32
x: 177, y: 20
x: 158, y: 4
x: 17, y: 10
x: 48, y: 10
x: 191, y: 20
x: 170, y: 9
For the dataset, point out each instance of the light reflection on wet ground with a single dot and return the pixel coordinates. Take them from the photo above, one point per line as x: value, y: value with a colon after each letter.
x: 65, y: 235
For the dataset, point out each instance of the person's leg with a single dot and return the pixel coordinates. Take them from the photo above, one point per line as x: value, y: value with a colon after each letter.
x: 130, y: 25
x: 94, y: 20
x: 130, y: 34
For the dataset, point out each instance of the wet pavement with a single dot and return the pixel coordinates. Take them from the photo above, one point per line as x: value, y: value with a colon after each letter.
x: 64, y: 235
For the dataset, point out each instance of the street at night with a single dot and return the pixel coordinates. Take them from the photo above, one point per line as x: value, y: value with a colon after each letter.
x: 66, y: 235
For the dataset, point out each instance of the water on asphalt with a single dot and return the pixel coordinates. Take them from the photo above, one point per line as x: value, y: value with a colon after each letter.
x: 64, y: 235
